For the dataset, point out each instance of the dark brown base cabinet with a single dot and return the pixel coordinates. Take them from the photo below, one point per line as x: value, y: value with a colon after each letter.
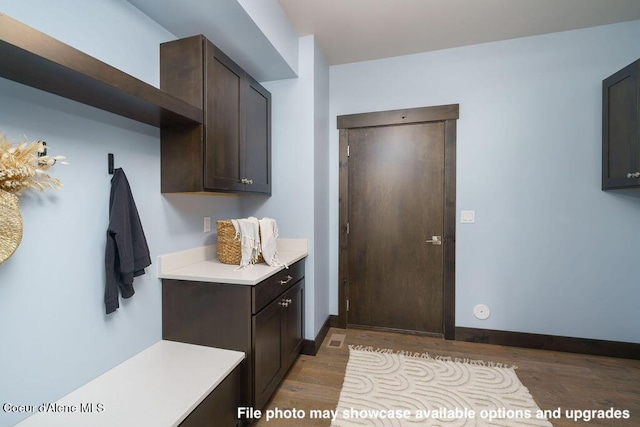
x: 277, y: 342
x: 220, y: 407
x: 621, y: 129
x: 265, y: 321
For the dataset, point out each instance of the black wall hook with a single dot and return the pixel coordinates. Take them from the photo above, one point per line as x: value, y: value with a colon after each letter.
x: 44, y: 151
x: 110, y: 161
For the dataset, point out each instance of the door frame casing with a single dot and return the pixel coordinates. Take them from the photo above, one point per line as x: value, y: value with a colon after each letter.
x: 442, y: 113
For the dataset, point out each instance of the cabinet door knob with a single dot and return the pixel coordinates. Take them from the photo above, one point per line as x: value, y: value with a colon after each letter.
x: 249, y: 181
x: 288, y: 301
x: 284, y: 303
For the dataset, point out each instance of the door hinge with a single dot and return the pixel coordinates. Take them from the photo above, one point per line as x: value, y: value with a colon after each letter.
x: 347, y: 305
x: 347, y: 151
x: 347, y: 228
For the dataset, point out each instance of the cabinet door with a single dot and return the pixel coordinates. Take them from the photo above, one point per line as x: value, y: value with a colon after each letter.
x: 223, y: 122
x: 267, y: 351
x: 257, y: 142
x: 620, y: 137
x: 292, y: 328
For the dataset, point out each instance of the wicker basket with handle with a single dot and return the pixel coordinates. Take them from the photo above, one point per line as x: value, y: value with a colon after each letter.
x: 229, y: 250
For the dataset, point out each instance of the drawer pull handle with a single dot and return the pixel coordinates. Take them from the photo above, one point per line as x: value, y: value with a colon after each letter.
x: 286, y: 280
x: 285, y: 303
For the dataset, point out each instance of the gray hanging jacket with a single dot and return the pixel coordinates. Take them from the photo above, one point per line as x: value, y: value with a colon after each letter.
x: 127, y: 253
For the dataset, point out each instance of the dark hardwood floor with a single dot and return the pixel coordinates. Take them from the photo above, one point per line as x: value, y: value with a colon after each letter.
x: 556, y: 380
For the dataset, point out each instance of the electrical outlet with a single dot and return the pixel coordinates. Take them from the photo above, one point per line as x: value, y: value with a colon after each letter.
x: 207, y: 224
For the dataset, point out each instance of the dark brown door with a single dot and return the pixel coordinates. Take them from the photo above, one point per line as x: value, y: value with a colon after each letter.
x: 292, y: 333
x: 267, y: 353
x: 621, y: 128
x: 396, y: 204
x: 257, y: 144
x: 223, y: 122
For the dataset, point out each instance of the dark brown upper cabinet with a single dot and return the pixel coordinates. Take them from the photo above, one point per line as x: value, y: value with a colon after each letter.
x: 621, y: 129
x: 231, y: 151
x: 33, y: 58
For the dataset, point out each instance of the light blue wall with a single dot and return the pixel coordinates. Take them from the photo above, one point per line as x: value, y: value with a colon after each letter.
x: 321, y: 188
x: 55, y: 335
x: 550, y: 253
x: 298, y: 130
x: 270, y: 18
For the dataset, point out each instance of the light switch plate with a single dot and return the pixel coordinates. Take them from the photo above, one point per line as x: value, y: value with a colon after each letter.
x: 207, y: 224
x: 468, y: 217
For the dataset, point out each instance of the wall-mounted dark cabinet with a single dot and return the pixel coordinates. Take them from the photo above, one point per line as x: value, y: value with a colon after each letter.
x: 621, y: 129
x: 231, y: 152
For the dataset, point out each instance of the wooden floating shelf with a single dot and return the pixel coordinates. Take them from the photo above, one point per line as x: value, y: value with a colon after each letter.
x: 33, y: 58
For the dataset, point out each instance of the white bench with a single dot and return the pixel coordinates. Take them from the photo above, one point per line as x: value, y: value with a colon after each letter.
x: 168, y: 384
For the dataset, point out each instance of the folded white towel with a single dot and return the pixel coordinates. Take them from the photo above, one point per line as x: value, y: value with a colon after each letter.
x: 247, y: 232
x: 269, y: 244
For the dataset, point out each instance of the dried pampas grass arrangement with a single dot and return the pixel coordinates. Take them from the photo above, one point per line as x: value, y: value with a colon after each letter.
x: 22, y: 166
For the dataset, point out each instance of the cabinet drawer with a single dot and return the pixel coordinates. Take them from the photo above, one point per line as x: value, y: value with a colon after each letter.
x: 267, y: 290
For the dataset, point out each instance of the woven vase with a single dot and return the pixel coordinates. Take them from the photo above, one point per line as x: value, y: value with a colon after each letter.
x: 10, y: 225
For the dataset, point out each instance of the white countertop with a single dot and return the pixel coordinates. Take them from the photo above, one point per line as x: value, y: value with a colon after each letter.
x: 158, y: 387
x: 201, y: 264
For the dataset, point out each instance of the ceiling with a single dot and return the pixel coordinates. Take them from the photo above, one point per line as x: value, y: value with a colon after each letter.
x: 228, y: 25
x: 360, y: 30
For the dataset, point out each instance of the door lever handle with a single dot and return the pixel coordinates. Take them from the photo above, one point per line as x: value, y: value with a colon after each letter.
x: 435, y: 240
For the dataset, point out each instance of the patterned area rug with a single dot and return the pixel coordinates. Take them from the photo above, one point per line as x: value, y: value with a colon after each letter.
x: 398, y: 389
